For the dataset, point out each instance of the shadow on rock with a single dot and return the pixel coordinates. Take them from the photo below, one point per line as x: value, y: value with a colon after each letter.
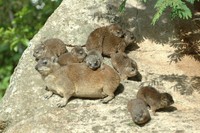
x: 167, y: 109
x: 183, y: 84
x: 131, y: 47
x: 137, y: 78
x: 119, y: 90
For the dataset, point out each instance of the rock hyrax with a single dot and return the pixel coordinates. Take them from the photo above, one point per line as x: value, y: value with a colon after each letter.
x: 124, y: 65
x: 94, y: 60
x: 138, y: 110
x: 154, y: 98
x: 113, y: 44
x: 50, y: 47
x: 77, y: 55
x: 78, y: 80
x: 96, y: 38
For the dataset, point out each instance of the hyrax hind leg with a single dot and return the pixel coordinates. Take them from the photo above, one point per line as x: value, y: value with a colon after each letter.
x: 109, y: 93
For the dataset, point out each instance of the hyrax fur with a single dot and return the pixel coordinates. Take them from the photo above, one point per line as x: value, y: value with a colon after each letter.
x: 50, y: 47
x: 112, y: 44
x: 154, y: 98
x: 94, y: 60
x: 77, y: 55
x: 139, y: 112
x: 96, y: 38
x: 78, y: 80
x: 124, y: 65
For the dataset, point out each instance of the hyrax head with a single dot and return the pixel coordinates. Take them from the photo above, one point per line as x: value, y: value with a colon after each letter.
x: 93, y: 62
x: 116, y: 30
x: 46, y: 65
x: 142, y: 117
x: 166, y: 100
x: 130, y: 71
x: 129, y: 37
x: 79, y: 52
x: 39, y: 50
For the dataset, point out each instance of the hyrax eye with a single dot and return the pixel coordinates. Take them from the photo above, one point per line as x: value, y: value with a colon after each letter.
x: 44, y: 62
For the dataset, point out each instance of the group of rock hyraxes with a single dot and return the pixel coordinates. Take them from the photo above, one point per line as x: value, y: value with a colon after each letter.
x: 85, y: 75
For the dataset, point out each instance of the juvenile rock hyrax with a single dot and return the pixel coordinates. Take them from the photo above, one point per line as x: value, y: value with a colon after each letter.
x: 154, y: 98
x: 77, y: 55
x: 96, y: 38
x: 138, y: 110
x: 124, y: 65
x: 94, y: 60
x: 50, y: 47
x: 77, y: 80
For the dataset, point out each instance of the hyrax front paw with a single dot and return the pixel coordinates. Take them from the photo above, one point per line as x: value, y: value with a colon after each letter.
x: 62, y: 103
x: 48, y: 95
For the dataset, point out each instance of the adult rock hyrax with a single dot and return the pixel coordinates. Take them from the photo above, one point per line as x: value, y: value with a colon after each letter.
x: 94, y: 60
x: 124, y: 65
x: 96, y: 38
x: 50, y: 47
x: 112, y: 44
x: 77, y: 55
x: 139, y: 112
x: 154, y: 98
x: 77, y: 80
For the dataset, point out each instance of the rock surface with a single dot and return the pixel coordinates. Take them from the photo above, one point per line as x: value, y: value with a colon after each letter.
x: 27, y: 111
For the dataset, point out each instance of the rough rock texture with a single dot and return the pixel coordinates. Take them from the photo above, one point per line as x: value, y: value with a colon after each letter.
x: 28, y: 112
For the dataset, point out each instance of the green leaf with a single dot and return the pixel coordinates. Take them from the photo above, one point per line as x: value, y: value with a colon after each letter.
x: 122, y: 6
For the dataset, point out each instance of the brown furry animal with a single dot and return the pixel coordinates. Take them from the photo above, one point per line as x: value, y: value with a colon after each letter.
x: 96, y: 38
x: 77, y: 80
x: 138, y: 110
x: 77, y: 55
x: 124, y: 65
x: 94, y: 60
x: 154, y: 98
x: 50, y: 47
x: 112, y: 44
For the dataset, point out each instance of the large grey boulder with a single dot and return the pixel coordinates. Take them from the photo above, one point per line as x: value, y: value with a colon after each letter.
x: 26, y: 110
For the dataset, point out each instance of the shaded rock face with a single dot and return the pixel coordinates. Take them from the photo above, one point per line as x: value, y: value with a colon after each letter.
x: 26, y: 110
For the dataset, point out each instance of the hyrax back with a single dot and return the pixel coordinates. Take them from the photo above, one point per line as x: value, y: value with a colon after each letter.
x: 138, y: 110
x: 77, y: 55
x: 94, y: 59
x: 96, y: 38
x: 50, y: 47
x: 154, y: 98
x: 78, y: 80
x: 124, y: 65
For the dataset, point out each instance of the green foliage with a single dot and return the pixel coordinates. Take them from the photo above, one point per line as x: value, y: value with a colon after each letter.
x: 179, y: 8
x: 122, y: 6
x: 19, y: 21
